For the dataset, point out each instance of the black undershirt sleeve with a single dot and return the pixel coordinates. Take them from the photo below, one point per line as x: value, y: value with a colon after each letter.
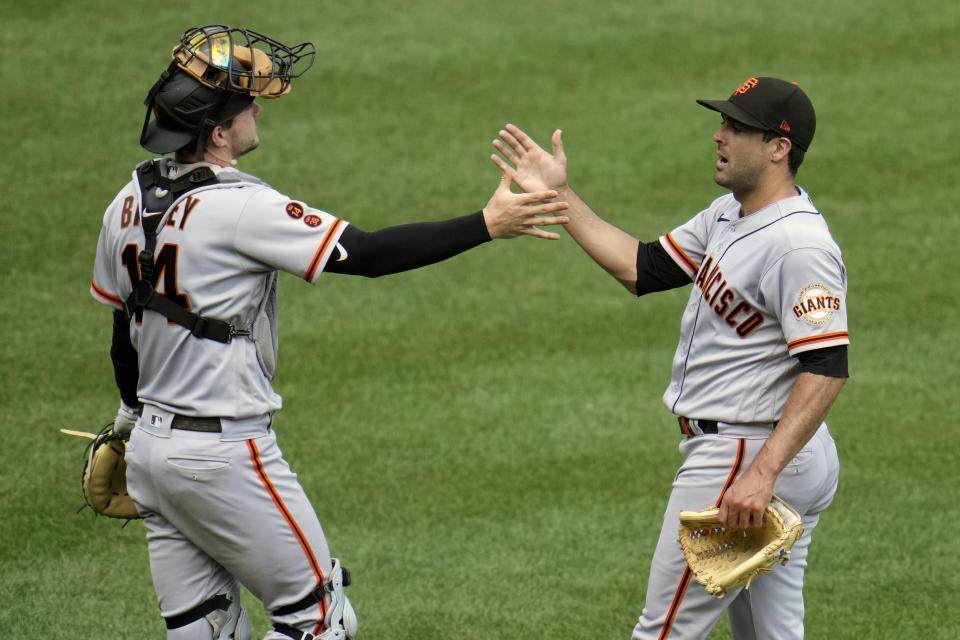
x: 408, y: 246
x: 126, y: 368
x: 829, y: 361
x: 656, y: 271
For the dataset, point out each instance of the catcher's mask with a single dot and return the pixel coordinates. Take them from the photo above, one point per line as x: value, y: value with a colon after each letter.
x: 215, y: 74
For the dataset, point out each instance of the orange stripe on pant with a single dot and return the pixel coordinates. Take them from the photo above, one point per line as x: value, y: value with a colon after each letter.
x: 304, y: 544
x: 741, y: 449
x: 687, y: 573
x: 675, y: 605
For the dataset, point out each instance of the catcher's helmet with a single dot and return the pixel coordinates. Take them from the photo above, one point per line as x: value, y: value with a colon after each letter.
x: 215, y: 74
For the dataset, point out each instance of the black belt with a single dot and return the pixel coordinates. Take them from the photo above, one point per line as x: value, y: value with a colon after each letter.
x: 687, y: 426
x: 190, y: 423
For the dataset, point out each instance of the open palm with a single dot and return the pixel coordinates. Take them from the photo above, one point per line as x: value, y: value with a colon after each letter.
x: 532, y: 168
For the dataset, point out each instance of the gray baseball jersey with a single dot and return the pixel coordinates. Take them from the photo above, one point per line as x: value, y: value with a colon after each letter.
x: 223, y: 244
x: 767, y: 287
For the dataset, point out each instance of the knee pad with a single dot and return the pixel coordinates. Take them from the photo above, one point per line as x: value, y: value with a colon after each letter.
x: 222, y: 617
x: 340, y: 618
x: 237, y: 624
x: 340, y: 621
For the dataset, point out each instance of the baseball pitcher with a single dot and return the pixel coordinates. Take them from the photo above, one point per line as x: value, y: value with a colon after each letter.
x: 761, y: 357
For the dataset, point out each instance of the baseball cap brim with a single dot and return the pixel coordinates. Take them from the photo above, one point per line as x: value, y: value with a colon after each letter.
x: 158, y: 139
x: 731, y: 110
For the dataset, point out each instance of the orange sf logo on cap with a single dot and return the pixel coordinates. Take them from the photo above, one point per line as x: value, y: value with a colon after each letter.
x: 746, y: 86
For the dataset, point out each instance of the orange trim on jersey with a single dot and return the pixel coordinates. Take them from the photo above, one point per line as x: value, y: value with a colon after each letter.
x: 322, y: 250
x: 302, y: 539
x: 839, y: 335
x: 691, y: 265
x: 108, y: 297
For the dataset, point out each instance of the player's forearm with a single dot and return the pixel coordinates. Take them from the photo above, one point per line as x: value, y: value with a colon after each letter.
x: 806, y: 408
x: 612, y: 248
x: 408, y: 246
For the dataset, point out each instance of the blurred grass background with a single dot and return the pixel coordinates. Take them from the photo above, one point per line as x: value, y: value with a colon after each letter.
x: 483, y: 439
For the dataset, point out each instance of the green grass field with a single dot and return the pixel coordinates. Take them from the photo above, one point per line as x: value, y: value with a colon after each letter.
x: 483, y: 439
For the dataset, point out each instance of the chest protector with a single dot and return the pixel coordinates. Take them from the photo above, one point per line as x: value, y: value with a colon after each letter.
x: 158, y: 193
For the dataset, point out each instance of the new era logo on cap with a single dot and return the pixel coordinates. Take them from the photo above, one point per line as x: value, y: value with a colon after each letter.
x: 771, y: 104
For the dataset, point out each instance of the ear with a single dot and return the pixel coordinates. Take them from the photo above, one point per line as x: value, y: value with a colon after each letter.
x: 217, y: 138
x: 780, y: 150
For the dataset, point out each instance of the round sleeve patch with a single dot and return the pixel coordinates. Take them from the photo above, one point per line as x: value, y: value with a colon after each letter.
x: 295, y: 210
x: 816, y: 304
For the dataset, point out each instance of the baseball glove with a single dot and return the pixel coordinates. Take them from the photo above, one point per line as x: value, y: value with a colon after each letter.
x: 104, y: 481
x: 726, y: 559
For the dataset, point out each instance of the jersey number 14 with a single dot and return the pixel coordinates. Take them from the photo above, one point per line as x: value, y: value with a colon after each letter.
x: 165, y: 267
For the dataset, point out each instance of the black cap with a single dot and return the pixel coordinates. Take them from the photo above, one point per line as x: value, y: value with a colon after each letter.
x: 771, y: 104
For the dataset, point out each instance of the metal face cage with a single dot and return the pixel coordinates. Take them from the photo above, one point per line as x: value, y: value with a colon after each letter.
x: 242, y: 60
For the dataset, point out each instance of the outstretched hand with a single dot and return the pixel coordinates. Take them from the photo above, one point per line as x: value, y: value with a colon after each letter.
x: 509, y: 214
x: 532, y: 168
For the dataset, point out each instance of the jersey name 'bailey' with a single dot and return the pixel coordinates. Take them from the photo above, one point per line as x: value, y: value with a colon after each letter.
x: 766, y: 287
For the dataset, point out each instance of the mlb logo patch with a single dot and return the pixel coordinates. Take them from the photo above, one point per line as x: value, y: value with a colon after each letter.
x: 155, y: 420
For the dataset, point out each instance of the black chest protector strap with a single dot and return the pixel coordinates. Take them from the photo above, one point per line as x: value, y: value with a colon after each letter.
x: 144, y: 295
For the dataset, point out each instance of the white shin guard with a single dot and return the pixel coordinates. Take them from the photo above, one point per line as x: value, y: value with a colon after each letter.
x: 341, y: 620
x: 231, y: 623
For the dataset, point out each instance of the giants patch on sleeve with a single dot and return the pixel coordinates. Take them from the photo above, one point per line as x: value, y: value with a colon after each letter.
x: 816, y: 304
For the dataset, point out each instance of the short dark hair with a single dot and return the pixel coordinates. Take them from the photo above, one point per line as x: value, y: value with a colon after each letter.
x: 795, y: 159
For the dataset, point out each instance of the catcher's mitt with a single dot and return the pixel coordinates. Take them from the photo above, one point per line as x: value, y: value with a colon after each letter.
x: 726, y: 559
x: 105, y: 474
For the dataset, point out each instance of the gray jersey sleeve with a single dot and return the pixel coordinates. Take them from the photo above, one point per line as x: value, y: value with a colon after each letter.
x: 287, y: 234
x: 105, y: 286
x: 687, y: 244
x: 807, y: 288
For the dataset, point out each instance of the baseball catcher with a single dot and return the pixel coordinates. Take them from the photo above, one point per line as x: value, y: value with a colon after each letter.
x: 188, y: 260
x: 726, y: 559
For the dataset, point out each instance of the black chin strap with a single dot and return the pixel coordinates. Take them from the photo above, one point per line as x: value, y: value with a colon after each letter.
x: 209, y: 124
x: 144, y: 295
